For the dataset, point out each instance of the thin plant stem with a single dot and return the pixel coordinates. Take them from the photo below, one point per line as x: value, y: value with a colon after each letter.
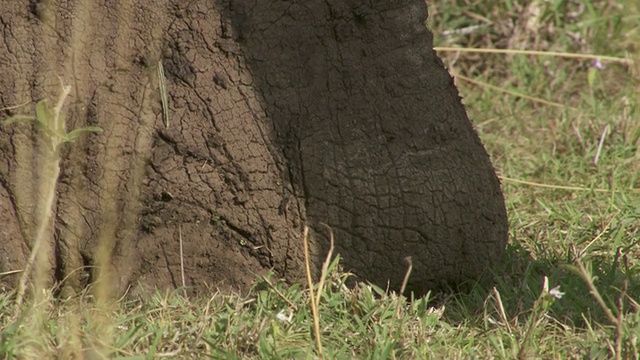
x: 536, y: 53
x: 48, y: 185
x: 184, y: 284
x: 595, y: 293
x: 312, y: 301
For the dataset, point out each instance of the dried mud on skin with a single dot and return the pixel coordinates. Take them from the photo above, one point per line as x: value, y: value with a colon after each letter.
x: 281, y: 115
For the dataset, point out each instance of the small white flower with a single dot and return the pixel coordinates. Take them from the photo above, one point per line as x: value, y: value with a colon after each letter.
x: 282, y: 317
x: 598, y: 64
x: 555, y: 292
x: 436, y: 311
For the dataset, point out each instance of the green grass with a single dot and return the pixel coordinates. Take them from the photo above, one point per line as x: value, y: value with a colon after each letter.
x: 572, y: 220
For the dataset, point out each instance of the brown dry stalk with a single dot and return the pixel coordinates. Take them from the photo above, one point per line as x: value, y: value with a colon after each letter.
x: 184, y: 284
x: 512, y: 93
x: 325, y: 267
x: 312, y: 301
x: 560, y: 187
x: 537, y: 53
x: 403, y: 287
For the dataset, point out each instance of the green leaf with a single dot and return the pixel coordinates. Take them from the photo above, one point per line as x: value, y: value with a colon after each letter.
x: 591, y: 76
x: 44, y: 115
x: 73, y: 135
x: 19, y: 118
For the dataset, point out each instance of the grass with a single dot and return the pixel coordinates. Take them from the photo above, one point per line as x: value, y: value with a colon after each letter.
x: 568, y: 153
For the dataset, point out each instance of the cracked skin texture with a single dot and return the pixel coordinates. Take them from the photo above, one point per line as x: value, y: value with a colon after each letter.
x: 282, y: 114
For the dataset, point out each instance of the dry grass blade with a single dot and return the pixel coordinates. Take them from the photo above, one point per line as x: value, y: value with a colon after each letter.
x: 184, y: 283
x: 620, y: 322
x: 616, y: 320
x: 513, y: 93
x: 162, y: 80
x: 409, y: 262
x: 15, y: 106
x: 11, y: 272
x: 401, y: 302
x: 279, y: 293
x: 559, y: 187
x: 583, y: 252
x: 600, y: 144
x: 501, y: 311
x: 312, y: 301
x: 325, y: 267
x: 537, y: 53
x: 595, y: 293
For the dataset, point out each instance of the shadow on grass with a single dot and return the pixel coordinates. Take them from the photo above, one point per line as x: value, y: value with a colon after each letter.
x: 519, y: 279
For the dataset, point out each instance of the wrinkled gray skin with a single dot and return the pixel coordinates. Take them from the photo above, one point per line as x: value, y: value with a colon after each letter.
x: 283, y: 114
x: 386, y: 156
